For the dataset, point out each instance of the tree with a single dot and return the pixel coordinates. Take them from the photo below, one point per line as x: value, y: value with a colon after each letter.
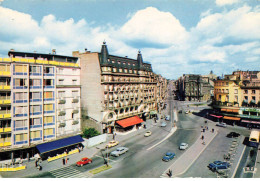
x: 90, y: 132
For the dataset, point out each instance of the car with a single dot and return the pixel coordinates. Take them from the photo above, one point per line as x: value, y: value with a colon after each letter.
x: 224, y: 125
x: 163, y: 124
x: 168, y: 156
x: 148, y: 133
x: 119, y: 151
x: 218, y: 165
x: 167, y: 118
x: 183, y: 146
x: 112, y: 143
x: 84, y: 161
x: 233, y: 135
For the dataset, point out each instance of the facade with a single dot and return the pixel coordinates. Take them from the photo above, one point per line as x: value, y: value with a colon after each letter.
x: 35, y: 89
x: 192, y: 87
x: 161, y: 92
x: 237, y: 96
x: 115, y: 88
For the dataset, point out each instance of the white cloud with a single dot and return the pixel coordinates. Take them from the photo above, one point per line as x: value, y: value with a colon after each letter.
x: 219, y: 41
x: 155, y: 27
x: 226, y: 2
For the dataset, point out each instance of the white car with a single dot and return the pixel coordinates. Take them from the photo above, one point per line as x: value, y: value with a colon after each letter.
x: 224, y: 125
x: 148, y: 133
x: 183, y: 146
x: 119, y: 151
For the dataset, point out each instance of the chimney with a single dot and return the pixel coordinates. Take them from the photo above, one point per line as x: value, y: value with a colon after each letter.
x: 54, y: 51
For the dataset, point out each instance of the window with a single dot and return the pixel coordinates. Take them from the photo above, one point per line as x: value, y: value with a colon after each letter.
x: 20, y: 68
x: 48, y: 95
x: 48, y: 70
x: 21, y: 110
x: 114, y: 69
x: 48, y: 82
x: 20, y: 96
x: 20, y: 82
x: 75, y: 93
x: 35, y: 95
x: 236, y: 91
x: 253, y: 98
x: 20, y: 123
x: 35, y: 121
x: 35, y: 69
x: 253, y: 91
x: 61, y: 94
x: 21, y: 137
x: 49, y: 131
x: 35, y: 109
x: 246, y: 97
x: 226, y: 83
x: 120, y: 70
x: 236, y: 98
x: 35, y: 82
x: 74, y: 82
x: 48, y: 107
x: 119, y: 62
x: 35, y: 134
x: 60, y: 70
x: 48, y: 119
x: 61, y: 81
x: 245, y: 91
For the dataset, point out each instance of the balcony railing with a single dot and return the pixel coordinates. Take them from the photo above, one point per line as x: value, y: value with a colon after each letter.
x: 5, y: 87
x: 24, y: 60
x: 5, y: 100
x: 5, y: 113
x: 5, y: 130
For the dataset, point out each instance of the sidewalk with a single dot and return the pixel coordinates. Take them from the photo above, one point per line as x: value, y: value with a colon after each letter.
x: 183, y: 163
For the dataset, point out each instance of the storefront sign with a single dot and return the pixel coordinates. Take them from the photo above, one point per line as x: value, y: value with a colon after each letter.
x: 250, y: 109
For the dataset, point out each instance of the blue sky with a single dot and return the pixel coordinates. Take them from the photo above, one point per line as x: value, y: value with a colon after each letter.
x: 176, y: 36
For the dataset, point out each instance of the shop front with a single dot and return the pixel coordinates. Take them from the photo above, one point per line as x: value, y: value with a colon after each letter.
x: 128, y: 124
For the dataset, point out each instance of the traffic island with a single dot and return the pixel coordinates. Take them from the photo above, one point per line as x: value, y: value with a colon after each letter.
x: 100, y: 169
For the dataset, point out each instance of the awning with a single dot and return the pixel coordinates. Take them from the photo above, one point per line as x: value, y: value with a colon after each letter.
x: 153, y: 112
x: 230, y: 110
x: 224, y: 110
x: 216, y: 116
x: 129, y: 121
x: 247, y: 121
x: 231, y: 118
x: 54, y: 145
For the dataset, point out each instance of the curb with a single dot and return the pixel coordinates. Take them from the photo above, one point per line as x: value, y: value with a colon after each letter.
x: 235, y: 170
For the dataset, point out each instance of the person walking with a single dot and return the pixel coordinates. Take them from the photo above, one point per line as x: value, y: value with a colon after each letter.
x: 63, y: 161
x: 202, y: 137
x: 212, y: 130
x: 36, y: 163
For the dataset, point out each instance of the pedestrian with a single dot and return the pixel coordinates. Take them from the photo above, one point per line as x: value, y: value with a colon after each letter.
x: 36, y: 163
x: 113, y: 136
x: 207, y: 128
x: 212, y: 130
x: 203, y: 143
x: 63, y: 161
x: 202, y: 137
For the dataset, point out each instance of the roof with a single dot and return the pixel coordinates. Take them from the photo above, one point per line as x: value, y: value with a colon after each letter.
x: 129, y: 121
x: 54, y: 145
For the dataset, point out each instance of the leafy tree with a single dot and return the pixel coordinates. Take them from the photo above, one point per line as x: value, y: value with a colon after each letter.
x: 90, y: 132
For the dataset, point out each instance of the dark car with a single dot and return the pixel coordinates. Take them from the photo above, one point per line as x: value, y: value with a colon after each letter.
x: 233, y: 135
x: 218, y: 165
x: 168, y: 156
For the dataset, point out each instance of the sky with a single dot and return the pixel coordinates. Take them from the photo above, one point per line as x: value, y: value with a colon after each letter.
x: 176, y: 36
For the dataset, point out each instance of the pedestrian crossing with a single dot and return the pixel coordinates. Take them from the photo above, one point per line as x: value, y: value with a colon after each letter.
x: 70, y: 172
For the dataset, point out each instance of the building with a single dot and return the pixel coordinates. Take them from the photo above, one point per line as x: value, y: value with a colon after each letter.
x: 192, y: 87
x: 237, y: 98
x: 115, y: 90
x: 39, y: 102
x: 161, y: 93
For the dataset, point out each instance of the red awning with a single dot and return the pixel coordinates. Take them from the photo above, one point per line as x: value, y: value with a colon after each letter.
x: 247, y: 121
x: 216, y: 116
x: 231, y: 118
x: 129, y: 121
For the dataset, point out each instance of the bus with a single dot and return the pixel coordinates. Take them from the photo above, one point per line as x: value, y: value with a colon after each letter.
x: 254, y: 139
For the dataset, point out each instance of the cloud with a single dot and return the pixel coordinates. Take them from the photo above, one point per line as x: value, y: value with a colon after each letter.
x: 226, y: 2
x: 220, y: 41
x: 153, y: 28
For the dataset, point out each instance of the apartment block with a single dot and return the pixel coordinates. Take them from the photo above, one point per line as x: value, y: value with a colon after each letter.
x: 39, y: 99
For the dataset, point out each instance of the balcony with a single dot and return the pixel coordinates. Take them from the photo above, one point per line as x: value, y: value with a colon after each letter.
x: 5, y: 73
x: 75, y: 111
x: 5, y: 100
x: 62, y: 113
x: 33, y: 61
x: 5, y: 87
x: 5, y: 113
x: 62, y: 101
x: 62, y: 125
x: 5, y: 130
x: 75, y: 122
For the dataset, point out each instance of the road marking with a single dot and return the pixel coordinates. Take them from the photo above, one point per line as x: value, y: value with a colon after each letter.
x: 106, y: 158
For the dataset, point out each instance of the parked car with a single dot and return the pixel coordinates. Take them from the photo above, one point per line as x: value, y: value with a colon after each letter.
x: 233, y: 135
x: 187, y: 112
x: 167, y: 118
x: 84, y: 161
x: 163, y: 124
x: 148, y: 133
x: 218, y: 165
x: 183, y: 146
x: 112, y: 143
x: 168, y: 156
x: 224, y: 125
x: 119, y: 151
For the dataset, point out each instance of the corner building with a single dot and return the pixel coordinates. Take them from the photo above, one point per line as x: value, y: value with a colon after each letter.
x: 39, y: 101
x: 116, y: 88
